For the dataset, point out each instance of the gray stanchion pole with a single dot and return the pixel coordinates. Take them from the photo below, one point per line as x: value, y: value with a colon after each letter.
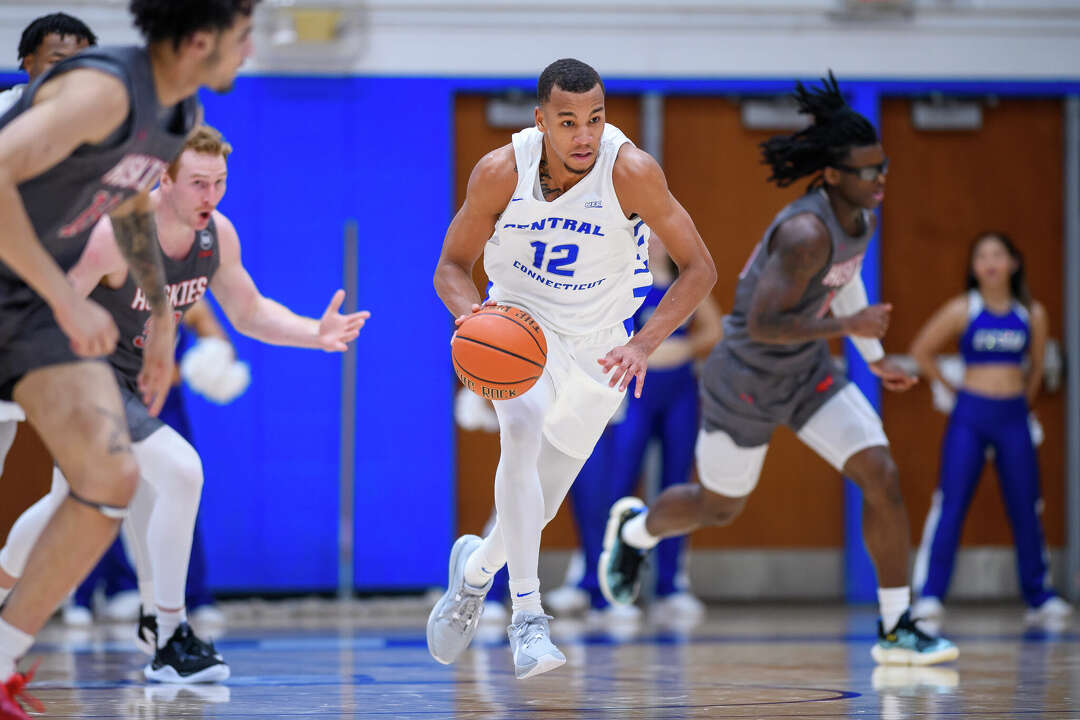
x: 347, y: 459
x: 1072, y: 345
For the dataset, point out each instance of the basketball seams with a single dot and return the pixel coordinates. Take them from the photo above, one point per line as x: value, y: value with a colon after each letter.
x: 523, y: 326
x: 499, y: 349
x: 477, y: 378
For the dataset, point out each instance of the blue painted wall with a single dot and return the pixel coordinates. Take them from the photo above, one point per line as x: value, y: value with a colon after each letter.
x: 311, y: 153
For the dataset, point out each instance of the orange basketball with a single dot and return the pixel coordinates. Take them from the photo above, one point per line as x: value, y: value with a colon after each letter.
x: 499, y: 352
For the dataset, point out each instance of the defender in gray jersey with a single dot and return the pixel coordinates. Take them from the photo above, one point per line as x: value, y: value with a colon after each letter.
x: 90, y: 137
x: 201, y: 251
x: 800, y: 287
x: 44, y: 42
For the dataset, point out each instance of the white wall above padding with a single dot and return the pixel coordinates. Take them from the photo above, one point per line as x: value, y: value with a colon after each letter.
x: 683, y: 38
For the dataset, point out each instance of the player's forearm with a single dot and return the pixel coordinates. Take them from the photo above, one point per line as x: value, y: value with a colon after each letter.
x: 679, y: 302
x: 273, y: 323
x: 136, y: 237
x: 779, y: 328
x: 455, y: 288
x: 21, y: 251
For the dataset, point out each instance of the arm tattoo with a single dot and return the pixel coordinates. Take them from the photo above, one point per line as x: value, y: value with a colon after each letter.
x: 546, y: 184
x: 136, y: 236
x: 798, y: 262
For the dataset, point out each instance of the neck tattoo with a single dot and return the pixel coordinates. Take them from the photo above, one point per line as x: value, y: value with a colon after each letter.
x: 547, y: 185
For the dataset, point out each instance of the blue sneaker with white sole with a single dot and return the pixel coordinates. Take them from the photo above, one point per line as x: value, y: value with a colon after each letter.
x: 907, y: 644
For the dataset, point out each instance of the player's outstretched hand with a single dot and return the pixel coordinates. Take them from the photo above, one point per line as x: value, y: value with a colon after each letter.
x: 870, y: 322
x: 89, y: 327
x: 472, y: 311
x: 336, y: 331
x: 156, y: 377
x: 893, y: 377
x: 626, y: 362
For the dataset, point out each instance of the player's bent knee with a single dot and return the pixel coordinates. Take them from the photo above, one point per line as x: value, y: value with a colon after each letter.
x: 719, y: 509
x: 726, y: 469
x: 112, y: 486
x: 876, y: 473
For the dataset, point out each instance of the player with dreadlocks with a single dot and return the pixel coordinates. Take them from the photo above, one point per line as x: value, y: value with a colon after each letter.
x: 800, y: 287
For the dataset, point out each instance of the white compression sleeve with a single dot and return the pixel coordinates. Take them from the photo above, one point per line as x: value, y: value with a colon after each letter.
x: 7, y: 439
x: 849, y: 300
x: 24, y: 533
x: 172, y: 468
x: 134, y: 531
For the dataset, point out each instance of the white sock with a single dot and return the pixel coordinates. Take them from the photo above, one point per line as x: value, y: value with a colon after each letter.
x: 14, y: 643
x: 525, y: 595
x: 4, y: 592
x: 634, y: 533
x: 893, y: 602
x: 167, y: 622
x: 479, y: 568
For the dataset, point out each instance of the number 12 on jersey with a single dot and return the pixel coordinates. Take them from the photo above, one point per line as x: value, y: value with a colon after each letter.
x: 559, y: 257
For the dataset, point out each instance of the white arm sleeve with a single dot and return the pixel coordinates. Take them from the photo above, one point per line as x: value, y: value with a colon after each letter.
x: 849, y: 300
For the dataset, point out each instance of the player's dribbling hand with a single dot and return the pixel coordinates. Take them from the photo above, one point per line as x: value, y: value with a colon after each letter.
x: 473, y: 310
x: 870, y: 322
x: 626, y: 362
x: 155, y: 378
x: 89, y: 327
x: 336, y: 331
x: 893, y: 377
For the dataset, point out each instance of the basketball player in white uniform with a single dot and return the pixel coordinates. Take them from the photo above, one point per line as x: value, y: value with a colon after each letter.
x: 201, y: 248
x: 562, y: 216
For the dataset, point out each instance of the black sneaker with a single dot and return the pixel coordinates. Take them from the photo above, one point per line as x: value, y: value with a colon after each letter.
x: 620, y: 566
x: 187, y: 659
x: 146, y: 633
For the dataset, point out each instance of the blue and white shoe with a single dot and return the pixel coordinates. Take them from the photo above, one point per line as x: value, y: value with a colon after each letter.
x: 453, y: 621
x: 530, y: 641
x: 906, y: 644
x: 619, y: 571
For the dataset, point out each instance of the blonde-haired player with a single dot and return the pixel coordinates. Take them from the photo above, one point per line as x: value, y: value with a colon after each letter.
x: 201, y: 250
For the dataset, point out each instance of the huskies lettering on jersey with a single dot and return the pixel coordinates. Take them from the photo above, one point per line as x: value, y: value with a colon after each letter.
x: 997, y: 340
x: 553, y: 223
x: 135, y: 172
x: 180, y: 294
x: 842, y: 273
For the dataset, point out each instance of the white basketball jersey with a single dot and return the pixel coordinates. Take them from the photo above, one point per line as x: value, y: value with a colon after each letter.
x: 576, y: 263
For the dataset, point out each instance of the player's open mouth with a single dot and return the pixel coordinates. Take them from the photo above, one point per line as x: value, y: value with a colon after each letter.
x: 204, y: 216
x: 582, y: 155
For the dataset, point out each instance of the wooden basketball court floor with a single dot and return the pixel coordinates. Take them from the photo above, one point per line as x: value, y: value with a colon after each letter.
x: 774, y: 661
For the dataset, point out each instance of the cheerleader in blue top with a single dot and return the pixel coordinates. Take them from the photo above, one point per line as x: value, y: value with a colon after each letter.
x: 998, y: 326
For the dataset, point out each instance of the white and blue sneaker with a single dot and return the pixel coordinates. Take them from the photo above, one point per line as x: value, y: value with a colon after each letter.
x: 530, y: 641
x: 906, y: 644
x: 454, y: 619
